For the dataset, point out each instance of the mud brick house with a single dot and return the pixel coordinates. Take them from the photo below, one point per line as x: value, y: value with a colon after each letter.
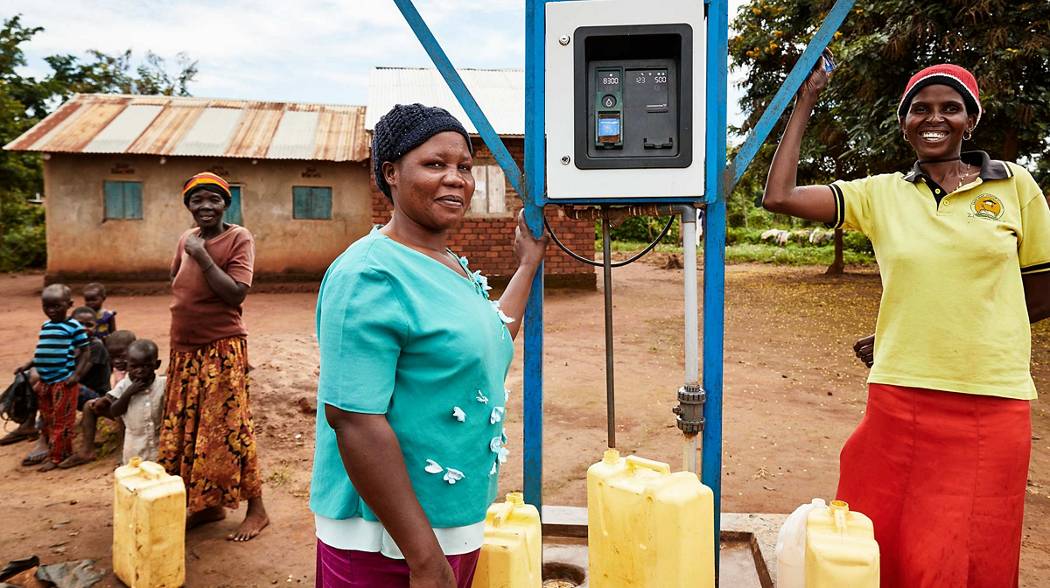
x: 114, y: 166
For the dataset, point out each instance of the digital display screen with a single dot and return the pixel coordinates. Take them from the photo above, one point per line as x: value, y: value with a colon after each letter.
x: 654, y: 86
x: 609, y: 79
x: 609, y: 129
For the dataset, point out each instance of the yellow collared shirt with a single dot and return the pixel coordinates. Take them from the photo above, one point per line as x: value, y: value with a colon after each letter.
x: 953, y: 314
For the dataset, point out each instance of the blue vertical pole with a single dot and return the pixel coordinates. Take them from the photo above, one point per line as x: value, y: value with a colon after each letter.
x: 535, y: 145
x: 714, y: 251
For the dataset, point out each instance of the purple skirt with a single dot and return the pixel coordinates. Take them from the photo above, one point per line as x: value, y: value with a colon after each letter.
x: 346, y: 568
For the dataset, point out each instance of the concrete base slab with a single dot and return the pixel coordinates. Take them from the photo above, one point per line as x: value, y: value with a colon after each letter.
x: 747, y: 558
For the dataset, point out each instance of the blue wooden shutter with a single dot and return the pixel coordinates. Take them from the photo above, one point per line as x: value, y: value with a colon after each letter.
x: 233, y: 213
x: 133, y: 200
x: 322, y: 203
x: 114, y: 195
x: 311, y: 202
x: 301, y: 201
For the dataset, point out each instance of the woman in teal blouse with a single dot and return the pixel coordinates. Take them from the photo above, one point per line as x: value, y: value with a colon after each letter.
x: 413, y: 358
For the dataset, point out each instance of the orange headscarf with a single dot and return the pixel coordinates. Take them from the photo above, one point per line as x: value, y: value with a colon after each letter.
x: 206, y: 180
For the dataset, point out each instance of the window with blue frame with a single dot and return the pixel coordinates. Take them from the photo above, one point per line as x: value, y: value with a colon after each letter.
x: 311, y: 202
x: 123, y: 200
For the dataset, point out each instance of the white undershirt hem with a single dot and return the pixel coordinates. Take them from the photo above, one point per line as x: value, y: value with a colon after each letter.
x: 361, y: 535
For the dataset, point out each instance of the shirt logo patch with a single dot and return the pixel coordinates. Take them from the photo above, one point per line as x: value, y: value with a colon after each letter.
x: 987, y: 206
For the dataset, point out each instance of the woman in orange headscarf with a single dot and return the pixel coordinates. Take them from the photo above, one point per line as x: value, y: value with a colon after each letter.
x: 207, y: 436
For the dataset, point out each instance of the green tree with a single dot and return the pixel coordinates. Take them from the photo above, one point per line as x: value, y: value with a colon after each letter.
x: 880, y: 45
x: 854, y: 131
x: 25, y: 100
x: 116, y: 74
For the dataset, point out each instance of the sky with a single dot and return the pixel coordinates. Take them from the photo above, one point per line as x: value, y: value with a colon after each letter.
x: 303, y: 51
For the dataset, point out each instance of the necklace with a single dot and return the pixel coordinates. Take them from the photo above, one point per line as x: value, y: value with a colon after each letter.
x: 963, y: 177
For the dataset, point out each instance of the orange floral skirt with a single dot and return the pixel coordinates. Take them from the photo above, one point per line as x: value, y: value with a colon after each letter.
x: 207, y: 436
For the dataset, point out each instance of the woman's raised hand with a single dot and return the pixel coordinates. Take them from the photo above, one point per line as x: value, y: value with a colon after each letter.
x: 529, y: 249
x: 816, y: 82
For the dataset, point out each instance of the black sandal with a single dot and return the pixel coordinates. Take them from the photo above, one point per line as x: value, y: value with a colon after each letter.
x: 17, y: 566
x: 17, y: 436
x: 35, y: 458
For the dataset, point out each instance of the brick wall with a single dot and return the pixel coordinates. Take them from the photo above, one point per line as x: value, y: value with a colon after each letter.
x: 488, y: 241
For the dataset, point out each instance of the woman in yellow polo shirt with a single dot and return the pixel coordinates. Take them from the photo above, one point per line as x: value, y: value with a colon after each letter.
x: 940, y: 459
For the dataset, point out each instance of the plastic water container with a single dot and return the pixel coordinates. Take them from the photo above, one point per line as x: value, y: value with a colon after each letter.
x: 791, y: 546
x: 149, y: 526
x: 840, y: 548
x: 647, y: 527
x: 512, y: 555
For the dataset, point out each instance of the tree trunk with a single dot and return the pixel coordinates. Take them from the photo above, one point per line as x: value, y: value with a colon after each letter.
x: 838, y: 266
x: 1010, y: 145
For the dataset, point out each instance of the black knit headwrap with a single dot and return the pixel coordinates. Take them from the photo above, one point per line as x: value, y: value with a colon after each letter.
x: 404, y: 128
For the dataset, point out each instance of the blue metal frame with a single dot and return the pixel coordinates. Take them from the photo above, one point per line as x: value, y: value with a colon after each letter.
x: 714, y: 253
x: 787, y: 92
x: 624, y: 201
x: 719, y: 180
x: 535, y: 145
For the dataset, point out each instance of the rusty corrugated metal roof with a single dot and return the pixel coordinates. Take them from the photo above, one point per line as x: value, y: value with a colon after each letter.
x: 165, y: 125
x: 118, y: 135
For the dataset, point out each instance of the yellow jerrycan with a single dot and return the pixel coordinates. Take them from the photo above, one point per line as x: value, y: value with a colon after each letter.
x: 647, y: 527
x: 840, y: 548
x: 512, y: 555
x: 149, y: 526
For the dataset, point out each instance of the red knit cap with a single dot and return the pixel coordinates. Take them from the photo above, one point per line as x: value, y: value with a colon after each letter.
x: 958, y: 78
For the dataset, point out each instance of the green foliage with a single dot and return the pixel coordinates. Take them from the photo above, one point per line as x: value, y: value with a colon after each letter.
x: 642, y: 229
x: 23, y: 242
x: 792, y: 255
x: 852, y: 241
x: 859, y: 242
x: 854, y: 131
x: 25, y: 100
x: 747, y: 248
x: 116, y: 74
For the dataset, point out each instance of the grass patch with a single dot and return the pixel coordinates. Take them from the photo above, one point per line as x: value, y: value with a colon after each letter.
x: 791, y: 254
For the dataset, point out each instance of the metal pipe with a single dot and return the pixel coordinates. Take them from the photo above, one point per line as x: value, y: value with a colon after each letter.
x: 690, y: 449
x: 610, y: 392
x: 714, y: 253
x: 533, y: 200
x: 692, y: 326
x: 691, y: 309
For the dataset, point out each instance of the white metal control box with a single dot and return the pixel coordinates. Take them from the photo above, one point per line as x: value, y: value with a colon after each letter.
x: 625, y: 100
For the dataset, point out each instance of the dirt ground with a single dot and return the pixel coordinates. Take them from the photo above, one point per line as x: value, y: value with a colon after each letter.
x: 793, y: 393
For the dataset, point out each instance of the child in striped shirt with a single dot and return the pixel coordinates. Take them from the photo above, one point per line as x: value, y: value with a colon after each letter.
x: 61, y: 359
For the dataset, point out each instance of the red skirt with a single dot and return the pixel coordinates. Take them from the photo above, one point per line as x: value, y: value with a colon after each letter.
x: 942, y: 476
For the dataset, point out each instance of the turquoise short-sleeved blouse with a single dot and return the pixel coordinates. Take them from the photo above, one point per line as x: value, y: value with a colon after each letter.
x: 403, y: 335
